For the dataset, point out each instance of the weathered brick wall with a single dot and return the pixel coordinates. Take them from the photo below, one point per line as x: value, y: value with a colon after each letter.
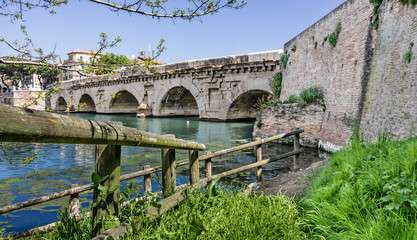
x: 285, y: 117
x: 391, y: 96
x: 338, y: 71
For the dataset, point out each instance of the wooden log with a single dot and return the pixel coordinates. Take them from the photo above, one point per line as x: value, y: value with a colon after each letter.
x: 43, y: 199
x: 249, y: 145
x: 208, y: 166
x: 26, y: 125
x: 258, y: 153
x: 168, y: 172
x: 194, y: 169
x: 147, y: 183
x: 107, y: 164
x: 74, y: 203
x: 296, y: 147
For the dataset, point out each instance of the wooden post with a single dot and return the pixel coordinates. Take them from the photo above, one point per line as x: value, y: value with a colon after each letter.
x: 107, y: 164
x: 194, y: 167
x: 168, y: 172
x: 74, y: 203
x: 296, y: 147
x: 207, y: 164
x: 258, y: 153
x: 147, y: 183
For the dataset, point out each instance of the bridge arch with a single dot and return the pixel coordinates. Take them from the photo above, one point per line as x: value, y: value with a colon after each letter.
x: 178, y: 101
x: 61, y: 104
x: 123, y: 102
x: 244, y: 106
x: 87, y: 103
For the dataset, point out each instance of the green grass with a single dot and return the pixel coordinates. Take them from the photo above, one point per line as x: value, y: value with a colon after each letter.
x: 228, y: 214
x: 367, y: 191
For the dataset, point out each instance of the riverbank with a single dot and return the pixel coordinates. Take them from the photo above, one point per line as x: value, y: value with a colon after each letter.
x: 291, y: 184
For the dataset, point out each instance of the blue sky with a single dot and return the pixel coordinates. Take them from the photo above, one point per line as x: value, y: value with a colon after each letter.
x: 261, y: 25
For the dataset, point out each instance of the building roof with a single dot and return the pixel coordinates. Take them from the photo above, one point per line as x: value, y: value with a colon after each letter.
x: 84, y: 51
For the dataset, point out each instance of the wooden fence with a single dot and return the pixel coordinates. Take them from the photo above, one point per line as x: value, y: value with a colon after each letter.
x: 25, y: 125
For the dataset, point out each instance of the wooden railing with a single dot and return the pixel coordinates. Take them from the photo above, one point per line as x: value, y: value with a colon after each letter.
x: 24, y: 125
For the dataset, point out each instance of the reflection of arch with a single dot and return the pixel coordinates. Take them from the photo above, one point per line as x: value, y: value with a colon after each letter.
x: 87, y: 103
x: 244, y: 106
x: 124, y: 102
x: 178, y: 101
x: 61, y: 104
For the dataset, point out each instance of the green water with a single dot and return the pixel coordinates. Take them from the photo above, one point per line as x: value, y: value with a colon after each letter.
x: 59, y: 165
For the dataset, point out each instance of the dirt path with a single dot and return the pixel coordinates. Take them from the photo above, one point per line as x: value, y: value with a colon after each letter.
x: 290, y: 184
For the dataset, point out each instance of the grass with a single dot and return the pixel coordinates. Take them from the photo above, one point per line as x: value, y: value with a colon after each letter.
x: 309, y: 95
x: 367, y: 191
x: 228, y: 214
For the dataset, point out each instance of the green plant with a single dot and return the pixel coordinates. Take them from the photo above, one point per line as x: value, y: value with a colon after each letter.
x: 334, y: 36
x: 366, y: 191
x: 276, y: 84
x: 222, y: 213
x: 259, y: 124
x: 412, y: 2
x: 284, y: 60
x: 294, y: 99
x: 311, y: 95
x: 294, y: 48
x: 409, y: 54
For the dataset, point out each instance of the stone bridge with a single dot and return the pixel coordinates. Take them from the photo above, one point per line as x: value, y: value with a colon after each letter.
x: 224, y: 88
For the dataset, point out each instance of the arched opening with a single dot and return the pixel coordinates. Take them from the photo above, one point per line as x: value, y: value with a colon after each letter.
x: 124, y: 102
x: 61, y: 104
x: 178, y: 101
x: 244, y: 106
x: 86, y: 104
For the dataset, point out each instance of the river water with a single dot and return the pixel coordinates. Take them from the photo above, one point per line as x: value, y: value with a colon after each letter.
x: 59, y: 165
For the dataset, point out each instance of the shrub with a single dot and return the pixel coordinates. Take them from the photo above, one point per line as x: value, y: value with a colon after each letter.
x: 284, y: 60
x: 311, y: 95
x: 276, y: 84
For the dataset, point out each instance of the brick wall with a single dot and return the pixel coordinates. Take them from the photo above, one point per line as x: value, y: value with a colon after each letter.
x: 391, y: 97
x: 285, y: 117
x: 338, y: 71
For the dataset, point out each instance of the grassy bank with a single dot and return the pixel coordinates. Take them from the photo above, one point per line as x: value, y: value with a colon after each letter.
x: 366, y: 191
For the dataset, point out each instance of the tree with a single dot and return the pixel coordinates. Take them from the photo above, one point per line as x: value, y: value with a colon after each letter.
x: 108, y: 63
x: 29, y: 54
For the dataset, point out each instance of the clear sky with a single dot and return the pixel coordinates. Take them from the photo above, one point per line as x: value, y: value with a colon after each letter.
x: 260, y: 26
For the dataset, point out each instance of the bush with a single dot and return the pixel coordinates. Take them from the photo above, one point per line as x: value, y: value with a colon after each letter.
x: 366, y: 191
x: 311, y: 95
x: 276, y: 84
